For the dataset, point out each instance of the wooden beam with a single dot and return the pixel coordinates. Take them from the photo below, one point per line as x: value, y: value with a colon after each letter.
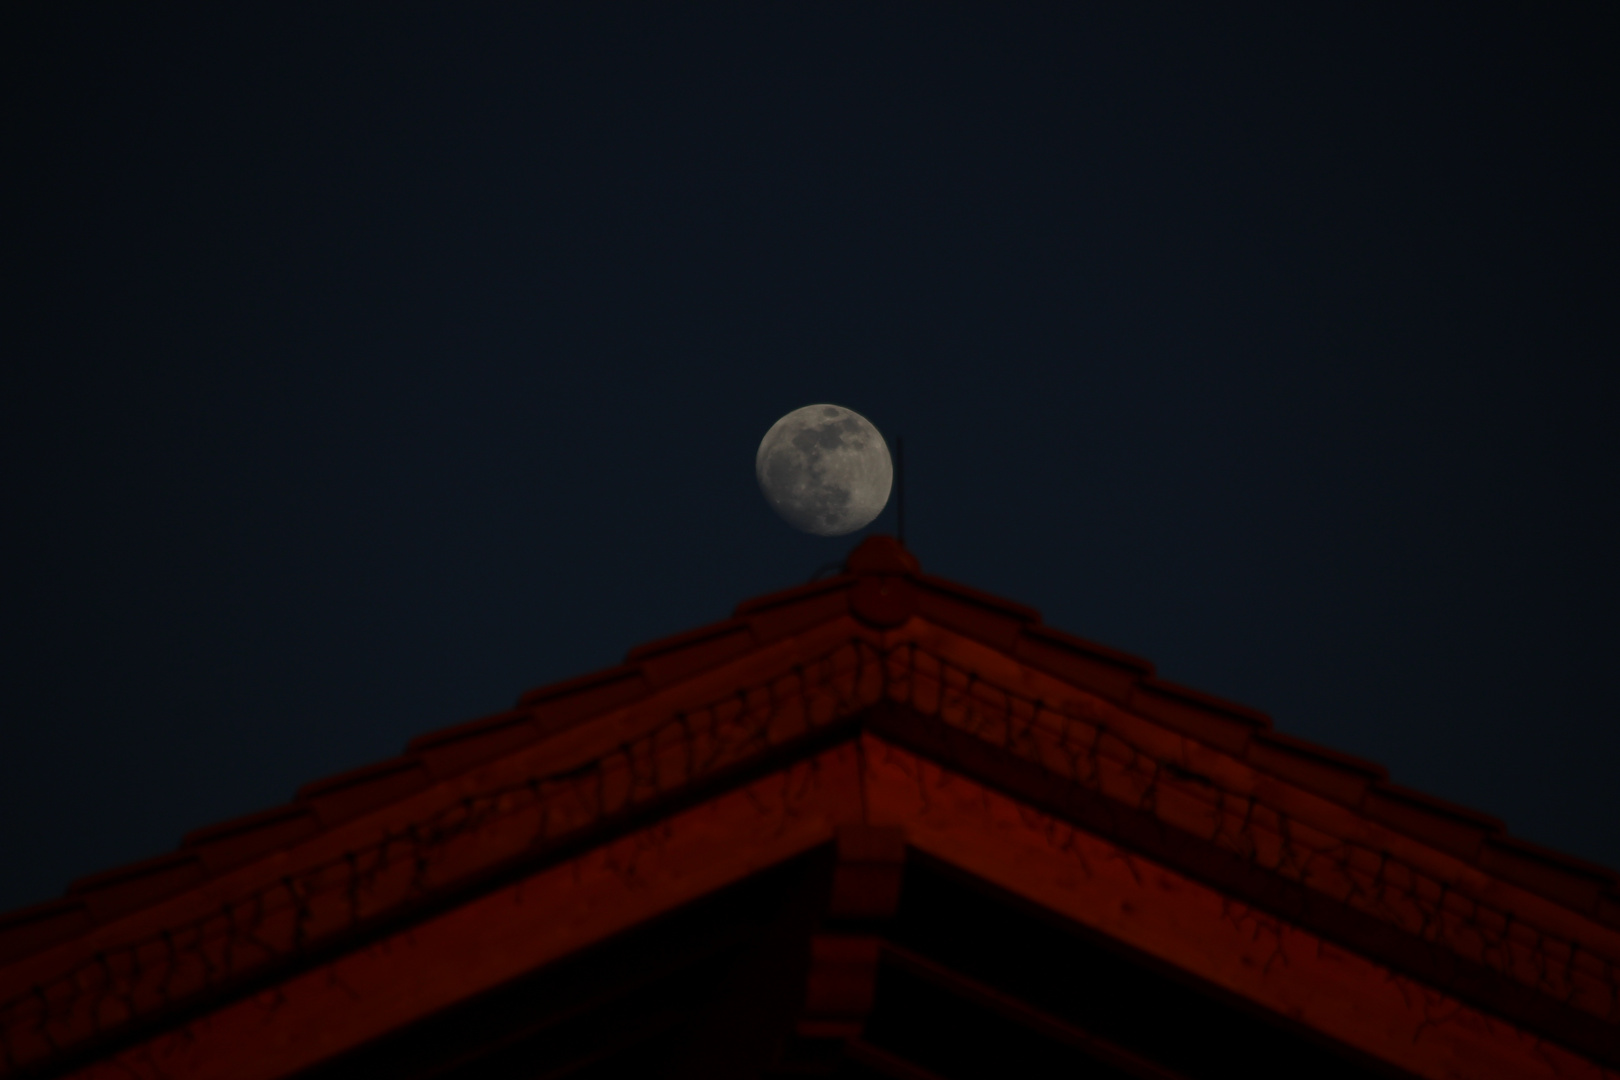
x: 1254, y: 956
x: 1021, y: 1012
x: 884, y: 1063
x: 509, y: 931
x: 1247, y: 953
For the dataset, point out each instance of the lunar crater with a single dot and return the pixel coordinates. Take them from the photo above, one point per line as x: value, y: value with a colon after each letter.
x: 825, y: 469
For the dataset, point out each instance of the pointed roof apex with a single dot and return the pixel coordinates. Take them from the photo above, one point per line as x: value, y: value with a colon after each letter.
x: 881, y: 554
x: 755, y: 739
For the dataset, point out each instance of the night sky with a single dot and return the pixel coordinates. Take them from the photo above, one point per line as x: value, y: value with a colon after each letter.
x: 366, y: 367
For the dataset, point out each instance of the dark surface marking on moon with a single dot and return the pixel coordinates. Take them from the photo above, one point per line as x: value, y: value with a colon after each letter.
x: 818, y: 470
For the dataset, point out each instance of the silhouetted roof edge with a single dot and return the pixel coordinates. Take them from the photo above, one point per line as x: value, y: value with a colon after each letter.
x: 1017, y: 630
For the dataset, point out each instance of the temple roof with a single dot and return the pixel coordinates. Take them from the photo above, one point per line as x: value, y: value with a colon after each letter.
x: 917, y: 677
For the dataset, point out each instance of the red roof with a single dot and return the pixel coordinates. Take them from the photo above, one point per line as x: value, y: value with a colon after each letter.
x: 1086, y: 734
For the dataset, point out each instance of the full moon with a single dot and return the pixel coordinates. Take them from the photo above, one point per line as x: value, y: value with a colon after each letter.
x: 825, y: 469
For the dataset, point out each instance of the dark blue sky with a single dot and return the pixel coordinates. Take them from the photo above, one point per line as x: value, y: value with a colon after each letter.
x: 365, y: 368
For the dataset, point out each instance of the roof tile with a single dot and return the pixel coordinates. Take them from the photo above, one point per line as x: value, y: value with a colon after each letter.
x: 673, y: 658
x: 772, y: 622
x: 1446, y: 825
x: 1094, y: 667
x: 1609, y: 908
x: 114, y: 892
x: 968, y: 611
x: 990, y: 601
x: 446, y: 753
x: 797, y: 593
x: 1564, y: 878
x: 561, y: 704
x: 31, y: 929
x: 1222, y: 724
x: 1340, y: 777
x: 350, y: 794
x: 234, y: 842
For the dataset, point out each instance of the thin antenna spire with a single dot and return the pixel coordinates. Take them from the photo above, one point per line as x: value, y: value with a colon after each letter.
x: 900, y: 484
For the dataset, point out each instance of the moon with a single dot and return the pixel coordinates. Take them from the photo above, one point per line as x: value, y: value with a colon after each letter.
x: 825, y: 469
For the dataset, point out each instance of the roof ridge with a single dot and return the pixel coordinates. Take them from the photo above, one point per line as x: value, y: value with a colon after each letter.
x: 1014, y: 628
x: 853, y: 675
